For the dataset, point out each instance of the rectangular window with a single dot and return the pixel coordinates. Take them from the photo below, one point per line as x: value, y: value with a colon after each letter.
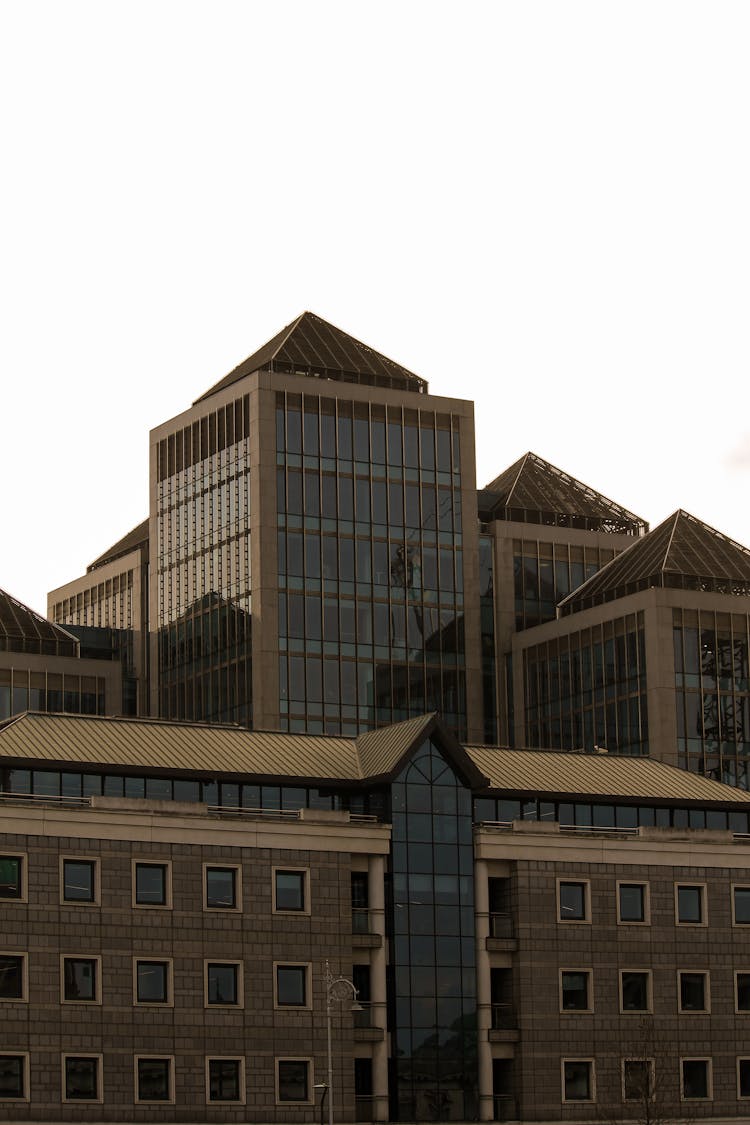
x: 690, y: 906
x: 153, y: 1079
x: 575, y: 990
x: 293, y: 1080
x: 743, y: 1078
x: 152, y: 983
x: 693, y: 992
x: 79, y: 881
x: 81, y: 1078
x: 151, y: 884
x: 222, y: 888
x: 741, y: 906
x: 225, y: 1080
x: 635, y: 990
x: 578, y: 1080
x: 14, y: 1077
x: 292, y: 986
x: 696, y: 1079
x: 13, y: 976
x: 11, y: 877
x: 290, y: 890
x: 573, y: 901
x: 80, y: 980
x: 632, y: 902
x: 224, y: 983
x: 638, y: 1080
x: 742, y: 991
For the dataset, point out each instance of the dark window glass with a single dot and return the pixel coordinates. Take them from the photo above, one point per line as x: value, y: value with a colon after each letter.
x: 150, y: 884
x: 742, y: 905
x: 695, y: 1078
x: 578, y: 1081
x: 81, y: 1078
x: 690, y: 904
x: 293, y: 1080
x: 575, y: 991
x: 693, y: 992
x: 12, y: 1076
x: 221, y: 888
x: 79, y: 880
x: 743, y: 1077
x: 637, y: 1080
x: 290, y: 890
x: 79, y: 978
x: 632, y: 902
x: 153, y: 1080
x: 224, y: 1080
x: 223, y: 983
x: 743, y: 992
x: 152, y: 982
x: 634, y: 992
x: 572, y: 902
x: 291, y: 985
x: 11, y: 977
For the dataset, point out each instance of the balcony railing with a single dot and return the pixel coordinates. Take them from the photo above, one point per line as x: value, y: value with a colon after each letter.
x: 363, y: 1017
x: 501, y: 925
x: 504, y: 1017
x: 505, y: 1107
x: 363, y: 1104
x: 360, y: 920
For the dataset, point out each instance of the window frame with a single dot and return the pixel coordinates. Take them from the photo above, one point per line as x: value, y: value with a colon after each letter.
x: 137, y: 1099
x: 166, y: 864
x: 589, y: 974
x: 649, y: 992
x: 24, y: 1057
x: 645, y: 887
x: 23, y: 896
x: 97, y: 889
x: 650, y: 1062
x: 97, y: 959
x: 156, y: 960
x: 586, y: 884
x: 240, y: 1059
x: 709, y: 1075
x: 703, y: 887
x: 706, y: 1009
x: 286, y: 911
x: 592, y: 1080
x: 739, y: 887
x: 310, y: 1100
x: 737, y: 1009
x: 306, y: 966
x: 24, y: 997
x: 239, y: 981
x: 99, y: 1099
x: 740, y: 1096
x: 236, y: 907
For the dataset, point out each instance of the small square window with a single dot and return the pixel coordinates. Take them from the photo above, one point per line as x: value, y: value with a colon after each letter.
x: 635, y: 990
x: 11, y: 877
x: 150, y: 884
x: 12, y: 976
x: 80, y: 980
x: 578, y: 1080
x: 293, y: 1080
x: 290, y: 890
x: 291, y: 986
x: 223, y: 983
x: 741, y: 905
x: 696, y: 1079
x: 632, y: 902
x: 222, y: 888
x: 690, y: 901
x: 14, y: 1080
x: 224, y: 1080
x: 81, y: 1078
x: 152, y: 982
x: 79, y: 880
x: 742, y: 991
x: 693, y: 990
x: 638, y: 1080
x: 743, y: 1078
x: 153, y: 1078
x: 575, y: 990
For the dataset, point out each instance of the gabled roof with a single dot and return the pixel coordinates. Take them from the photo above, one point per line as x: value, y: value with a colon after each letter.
x: 138, y: 537
x: 534, y: 491
x: 311, y: 346
x: 24, y: 630
x: 681, y: 553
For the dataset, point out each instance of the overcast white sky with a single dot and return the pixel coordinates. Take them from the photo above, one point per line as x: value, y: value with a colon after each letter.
x: 540, y: 206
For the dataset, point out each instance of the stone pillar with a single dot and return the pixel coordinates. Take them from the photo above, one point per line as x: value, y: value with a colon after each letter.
x: 484, y: 1009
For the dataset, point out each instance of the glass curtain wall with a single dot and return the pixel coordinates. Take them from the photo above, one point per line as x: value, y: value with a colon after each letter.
x: 545, y: 573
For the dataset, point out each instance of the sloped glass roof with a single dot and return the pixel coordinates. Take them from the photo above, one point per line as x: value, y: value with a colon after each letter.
x: 681, y: 553
x: 534, y: 491
x: 138, y: 537
x: 311, y: 346
x: 23, y: 630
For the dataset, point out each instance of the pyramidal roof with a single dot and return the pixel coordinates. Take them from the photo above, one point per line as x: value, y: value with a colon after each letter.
x: 681, y: 553
x: 24, y: 630
x: 534, y: 491
x: 311, y: 346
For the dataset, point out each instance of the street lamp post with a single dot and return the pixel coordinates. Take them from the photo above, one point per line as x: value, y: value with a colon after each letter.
x: 337, y: 988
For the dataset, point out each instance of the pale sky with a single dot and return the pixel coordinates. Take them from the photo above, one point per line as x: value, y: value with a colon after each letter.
x: 542, y: 206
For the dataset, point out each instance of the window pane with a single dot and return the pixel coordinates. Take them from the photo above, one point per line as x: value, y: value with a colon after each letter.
x: 290, y: 890
x: 11, y: 1076
x: 222, y: 984
x: 11, y: 977
x: 577, y: 1081
x: 220, y: 888
x: 742, y: 905
x: 693, y: 992
x: 151, y: 987
x: 575, y: 991
x: 743, y: 992
x: 150, y: 884
x: 153, y: 1080
x: 224, y: 1080
x: 293, y: 1080
x: 632, y: 902
x: 290, y: 984
x: 695, y: 1078
x: 81, y: 1078
x: 10, y: 876
x: 634, y: 992
x: 572, y: 901
x: 744, y: 1078
x: 690, y: 904
x: 638, y: 1083
x: 79, y: 977
x: 78, y: 881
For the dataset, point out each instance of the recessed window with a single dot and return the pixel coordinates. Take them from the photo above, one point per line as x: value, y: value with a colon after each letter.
x: 221, y: 888
x: 293, y: 1080
x: 291, y: 986
x: 573, y: 904
x: 635, y: 990
x: 80, y: 980
x: 575, y: 990
x: 743, y: 1078
x: 14, y: 1077
x: 578, y: 1080
x: 223, y: 983
x: 741, y: 905
x: 225, y: 1080
x: 11, y: 877
x: 632, y: 902
x: 81, y: 1078
x: 12, y: 976
x: 79, y: 882
x: 152, y: 982
x: 638, y: 1080
x: 693, y: 991
x: 153, y: 1079
x: 690, y: 904
x: 696, y: 1078
x: 150, y: 884
x: 290, y: 890
x: 742, y: 991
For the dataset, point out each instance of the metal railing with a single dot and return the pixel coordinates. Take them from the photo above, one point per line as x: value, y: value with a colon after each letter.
x: 363, y: 1107
x: 505, y: 1107
x: 360, y: 920
x: 46, y: 799
x: 504, y: 1017
x: 501, y: 924
x: 363, y: 1015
